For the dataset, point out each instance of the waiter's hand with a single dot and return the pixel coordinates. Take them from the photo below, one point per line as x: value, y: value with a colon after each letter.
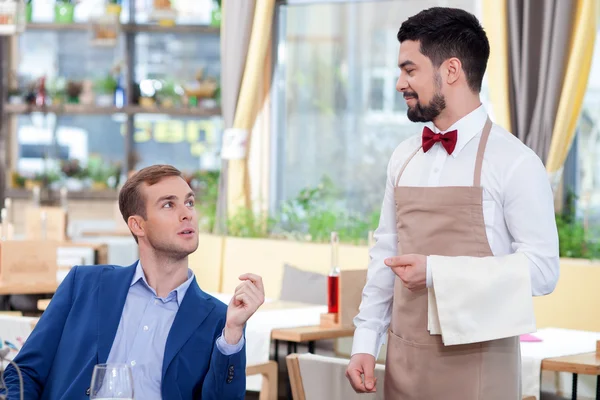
x: 411, y: 269
x: 362, y: 364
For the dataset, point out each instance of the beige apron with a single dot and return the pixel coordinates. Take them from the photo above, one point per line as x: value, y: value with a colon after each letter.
x: 444, y: 221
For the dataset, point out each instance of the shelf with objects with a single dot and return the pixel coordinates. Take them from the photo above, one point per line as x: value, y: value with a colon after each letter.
x: 92, y: 94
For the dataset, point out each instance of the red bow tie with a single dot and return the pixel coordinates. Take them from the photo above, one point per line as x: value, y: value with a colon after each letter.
x: 448, y: 139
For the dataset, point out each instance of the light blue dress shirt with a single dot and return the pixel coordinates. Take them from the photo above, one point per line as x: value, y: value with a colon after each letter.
x: 143, y: 330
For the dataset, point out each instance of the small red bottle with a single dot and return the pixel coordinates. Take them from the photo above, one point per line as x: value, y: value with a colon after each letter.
x: 333, y: 280
x: 40, y: 99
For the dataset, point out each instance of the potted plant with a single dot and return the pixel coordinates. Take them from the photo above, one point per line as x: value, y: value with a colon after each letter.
x: 28, y: 10
x: 104, y: 89
x: 170, y: 94
x: 73, y: 91
x: 215, y: 19
x: 57, y: 90
x: 64, y: 11
x: 74, y: 173
x: 18, y: 180
x: 103, y: 176
x: 97, y: 173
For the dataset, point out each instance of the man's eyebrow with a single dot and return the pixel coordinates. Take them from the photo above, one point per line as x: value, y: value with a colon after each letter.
x: 173, y: 197
x: 167, y: 197
x: 406, y: 63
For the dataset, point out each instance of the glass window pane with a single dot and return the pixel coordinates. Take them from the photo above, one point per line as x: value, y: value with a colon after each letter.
x: 588, y: 148
x: 340, y: 114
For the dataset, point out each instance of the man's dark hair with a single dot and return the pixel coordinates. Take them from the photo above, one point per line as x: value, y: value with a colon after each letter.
x: 450, y: 32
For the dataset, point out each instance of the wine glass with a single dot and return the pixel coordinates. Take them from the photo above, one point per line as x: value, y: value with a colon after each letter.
x: 112, y: 381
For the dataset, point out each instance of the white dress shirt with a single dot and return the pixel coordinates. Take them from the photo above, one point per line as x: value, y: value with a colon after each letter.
x: 518, y: 209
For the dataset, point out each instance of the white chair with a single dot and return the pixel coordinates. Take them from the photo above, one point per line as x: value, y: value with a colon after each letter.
x: 315, y: 377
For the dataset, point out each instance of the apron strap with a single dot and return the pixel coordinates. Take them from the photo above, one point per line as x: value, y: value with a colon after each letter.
x: 482, y: 143
x: 405, y: 164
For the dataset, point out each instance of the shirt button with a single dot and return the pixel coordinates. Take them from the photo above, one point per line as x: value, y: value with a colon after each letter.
x: 145, y: 327
x: 133, y: 363
x: 155, y: 301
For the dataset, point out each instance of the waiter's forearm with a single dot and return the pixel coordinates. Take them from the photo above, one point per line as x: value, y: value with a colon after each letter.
x: 544, y: 271
x: 530, y: 218
x: 374, y: 314
x: 375, y: 309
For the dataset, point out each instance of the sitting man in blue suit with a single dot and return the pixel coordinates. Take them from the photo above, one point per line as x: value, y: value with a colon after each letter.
x: 180, y: 342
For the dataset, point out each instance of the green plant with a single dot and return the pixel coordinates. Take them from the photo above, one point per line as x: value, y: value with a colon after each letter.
x: 47, y: 177
x: 207, y: 187
x: 311, y: 216
x: 104, y: 174
x: 246, y: 223
x: 317, y: 211
x: 574, y: 239
x: 106, y: 85
x: 57, y: 89
x: 18, y: 179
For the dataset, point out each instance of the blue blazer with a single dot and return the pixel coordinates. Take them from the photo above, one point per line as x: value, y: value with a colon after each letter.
x: 77, y: 330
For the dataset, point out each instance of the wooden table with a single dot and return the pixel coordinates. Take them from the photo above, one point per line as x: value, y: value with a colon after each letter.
x: 307, y: 334
x: 584, y: 364
x: 100, y: 257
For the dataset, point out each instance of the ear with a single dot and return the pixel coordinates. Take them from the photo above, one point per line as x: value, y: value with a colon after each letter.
x: 136, y: 225
x: 453, y: 70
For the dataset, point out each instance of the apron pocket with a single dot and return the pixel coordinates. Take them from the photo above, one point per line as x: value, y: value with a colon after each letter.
x: 417, y: 371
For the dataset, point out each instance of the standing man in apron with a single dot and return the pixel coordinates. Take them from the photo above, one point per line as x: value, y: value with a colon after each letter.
x: 467, y: 232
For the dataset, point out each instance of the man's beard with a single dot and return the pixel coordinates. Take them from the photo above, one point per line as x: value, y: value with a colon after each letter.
x: 427, y: 113
x: 421, y: 113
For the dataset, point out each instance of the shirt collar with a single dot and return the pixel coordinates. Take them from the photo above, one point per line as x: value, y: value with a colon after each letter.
x: 179, y: 291
x: 468, y: 127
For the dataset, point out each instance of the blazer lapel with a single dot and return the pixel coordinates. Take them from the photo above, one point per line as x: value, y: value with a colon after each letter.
x: 194, y: 309
x: 112, y: 293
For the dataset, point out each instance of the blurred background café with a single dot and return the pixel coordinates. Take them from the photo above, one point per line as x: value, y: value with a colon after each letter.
x: 283, y: 116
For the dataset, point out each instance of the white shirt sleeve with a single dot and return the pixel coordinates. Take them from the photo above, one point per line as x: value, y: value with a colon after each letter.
x: 375, y: 310
x: 530, y: 218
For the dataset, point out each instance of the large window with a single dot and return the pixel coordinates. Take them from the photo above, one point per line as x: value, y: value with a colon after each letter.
x: 338, y: 113
x: 587, y: 147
